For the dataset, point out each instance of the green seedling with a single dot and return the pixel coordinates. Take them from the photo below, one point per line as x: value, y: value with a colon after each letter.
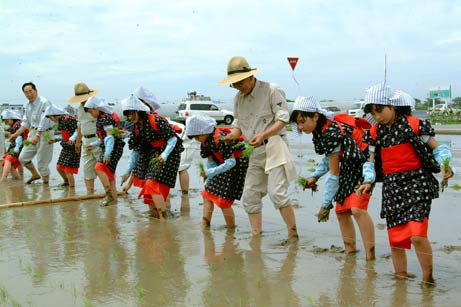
x: 247, y: 149
x: 201, y: 166
x: 302, y: 182
x: 46, y: 136
x: 141, y: 292
x: 155, y: 162
x: 456, y: 187
x: 115, y: 131
x: 26, y: 142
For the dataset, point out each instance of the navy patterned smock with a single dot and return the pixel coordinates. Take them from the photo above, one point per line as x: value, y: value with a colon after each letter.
x: 103, y: 120
x: 10, y: 151
x: 406, y: 195
x: 227, y: 185
x: 351, y: 157
x: 68, y: 157
x: 166, y: 172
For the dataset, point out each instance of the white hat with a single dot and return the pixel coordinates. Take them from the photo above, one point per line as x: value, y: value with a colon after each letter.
x: 133, y: 103
x: 98, y: 104
x: 199, y: 124
x: 309, y: 104
x: 54, y: 110
x: 10, y: 114
x: 380, y: 93
x: 147, y: 96
x: 402, y: 99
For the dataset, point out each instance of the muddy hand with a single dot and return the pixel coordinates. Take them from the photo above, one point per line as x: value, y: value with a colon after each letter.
x: 313, y: 186
x: 443, y: 184
x: 324, y: 213
x: 203, y: 175
x: 124, y: 178
x: 228, y: 139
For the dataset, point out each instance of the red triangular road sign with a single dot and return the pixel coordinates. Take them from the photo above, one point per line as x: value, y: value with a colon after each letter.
x: 293, y: 62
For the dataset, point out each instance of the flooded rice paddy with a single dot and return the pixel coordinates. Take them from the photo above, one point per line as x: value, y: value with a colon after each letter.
x: 77, y: 253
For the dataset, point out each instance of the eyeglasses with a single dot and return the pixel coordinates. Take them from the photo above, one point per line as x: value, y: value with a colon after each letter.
x: 237, y: 84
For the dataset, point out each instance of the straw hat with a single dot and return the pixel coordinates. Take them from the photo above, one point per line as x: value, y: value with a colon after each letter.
x: 82, y: 93
x: 238, y: 69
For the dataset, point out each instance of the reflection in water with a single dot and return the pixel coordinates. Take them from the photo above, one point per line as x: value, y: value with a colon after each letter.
x: 225, y: 266
x: 354, y: 290
x: 161, y: 278
x: 41, y: 238
x: 270, y: 288
x: 11, y: 193
x: 71, y: 231
x: 105, y: 258
x: 399, y: 297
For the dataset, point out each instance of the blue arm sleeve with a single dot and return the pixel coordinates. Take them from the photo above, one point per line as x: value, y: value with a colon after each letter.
x: 321, y: 169
x: 210, y: 164
x: 227, y: 165
x: 368, y: 171
x: 108, y: 145
x: 441, y: 153
x: 134, y: 157
x: 18, y: 143
x: 73, y: 137
x: 169, y: 148
x: 96, y: 143
x: 330, y: 189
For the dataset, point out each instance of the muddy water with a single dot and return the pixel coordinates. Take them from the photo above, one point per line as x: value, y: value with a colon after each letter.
x: 79, y: 254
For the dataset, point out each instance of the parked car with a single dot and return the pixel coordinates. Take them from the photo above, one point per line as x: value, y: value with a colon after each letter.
x: 357, y: 109
x: 199, y: 104
x: 333, y: 109
x: 440, y: 108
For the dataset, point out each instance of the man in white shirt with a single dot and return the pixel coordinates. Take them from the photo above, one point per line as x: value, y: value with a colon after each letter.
x: 40, y: 132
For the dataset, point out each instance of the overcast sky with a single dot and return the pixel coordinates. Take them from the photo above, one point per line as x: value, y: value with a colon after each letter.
x: 172, y: 47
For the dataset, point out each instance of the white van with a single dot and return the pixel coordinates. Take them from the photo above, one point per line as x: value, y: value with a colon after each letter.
x: 357, y: 109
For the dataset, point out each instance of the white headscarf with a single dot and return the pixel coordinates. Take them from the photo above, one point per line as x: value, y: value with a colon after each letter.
x: 98, y: 104
x: 10, y: 114
x: 309, y: 104
x: 383, y: 94
x: 133, y: 103
x: 148, y: 97
x: 54, y: 110
x: 199, y: 124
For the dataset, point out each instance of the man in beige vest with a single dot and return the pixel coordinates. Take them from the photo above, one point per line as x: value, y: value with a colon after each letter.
x: 261, y: 112
x: 86, y: 133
